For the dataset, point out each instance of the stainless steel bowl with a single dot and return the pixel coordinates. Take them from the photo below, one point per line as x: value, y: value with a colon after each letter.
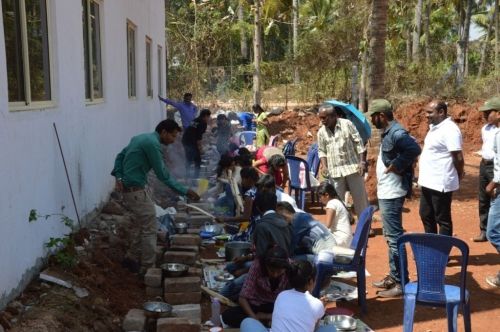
x: 236, y: 249
x: 157, y: 309
x: 181, y: 227
x: 215, y: 229
x: 174, y: 270
x: 341, y: 322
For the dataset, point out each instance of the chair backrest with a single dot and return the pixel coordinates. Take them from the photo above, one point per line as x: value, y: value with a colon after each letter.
x: 247, y: 137
x: 289, y: 148
x: 273, y: 140
x: 360, y: 239
x: 294, y: 171
x: 431, y: 253
x: 313, y: 158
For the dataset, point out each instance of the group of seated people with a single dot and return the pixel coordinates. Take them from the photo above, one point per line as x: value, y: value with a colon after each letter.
x: 285, y: 241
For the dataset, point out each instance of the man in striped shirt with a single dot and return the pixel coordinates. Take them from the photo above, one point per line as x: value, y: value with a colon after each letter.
x: 342, y: 156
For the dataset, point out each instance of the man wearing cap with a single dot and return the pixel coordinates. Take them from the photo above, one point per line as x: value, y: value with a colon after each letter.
x: 441, y: 169
x: 398, y: 152
x: 493, y: 189
x: 342, y: 156
x: 489, y: 110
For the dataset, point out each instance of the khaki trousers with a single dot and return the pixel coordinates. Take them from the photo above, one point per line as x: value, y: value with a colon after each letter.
x: 355, y: 183
x: 142, y: 229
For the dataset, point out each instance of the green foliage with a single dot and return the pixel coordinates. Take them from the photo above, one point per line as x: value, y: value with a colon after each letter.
x: 62, y: 247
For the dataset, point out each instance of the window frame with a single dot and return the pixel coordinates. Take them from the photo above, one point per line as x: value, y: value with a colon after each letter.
x: 159, y: 52
x: 149, y: 67
x: 132, y: 74
x: 28, y: 104
x: 88, y: 26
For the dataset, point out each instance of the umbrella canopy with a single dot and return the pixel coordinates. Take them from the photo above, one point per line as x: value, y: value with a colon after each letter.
x: 357, y: 118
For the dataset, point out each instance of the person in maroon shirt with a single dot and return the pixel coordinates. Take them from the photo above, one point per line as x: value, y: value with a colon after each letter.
x: 266, y: 279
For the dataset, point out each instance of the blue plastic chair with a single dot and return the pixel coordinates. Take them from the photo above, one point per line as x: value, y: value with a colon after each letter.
x: 358, y: 263
x: 247, y: 137
x: 313, y: 161
x: 431, y: 252
x: 294, y: 164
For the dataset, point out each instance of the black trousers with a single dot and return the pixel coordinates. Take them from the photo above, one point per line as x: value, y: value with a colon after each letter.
x: 485, y: 177
x: 193, y: 157
x: 235, y: 315
x: 435, y: 209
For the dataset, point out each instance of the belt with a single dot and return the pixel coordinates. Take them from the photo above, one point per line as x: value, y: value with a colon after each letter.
x: 487, y: 161
x: 131, y: 189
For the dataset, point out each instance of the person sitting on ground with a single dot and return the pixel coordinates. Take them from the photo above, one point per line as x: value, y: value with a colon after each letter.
x: 191, y: 140
x: 266, y: 279
x: 295, y: 310
x: 224, y: 134
x: 231, y: 203
x: 271, y: 160
x: 261, y: 123
x: 309, y: 236
x: 337, y: 216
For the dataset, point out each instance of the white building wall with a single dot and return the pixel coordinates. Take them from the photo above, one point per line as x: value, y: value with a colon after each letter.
x: 31, y: 170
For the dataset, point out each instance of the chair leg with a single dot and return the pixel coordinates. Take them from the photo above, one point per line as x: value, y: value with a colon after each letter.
x: 409, y: 312
x: 452, y: 313
x: 302, y: 199
x: 361, y: 283
x: 466, y: 314
x: 323, y: 271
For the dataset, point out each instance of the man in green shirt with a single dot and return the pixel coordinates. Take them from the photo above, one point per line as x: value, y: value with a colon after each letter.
x: 132, y: 165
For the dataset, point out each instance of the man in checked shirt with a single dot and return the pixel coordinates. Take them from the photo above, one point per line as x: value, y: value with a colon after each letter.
x: 342, y: 156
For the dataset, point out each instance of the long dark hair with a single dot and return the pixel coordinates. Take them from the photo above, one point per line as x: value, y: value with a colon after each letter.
x: 275, y: 258
x: 327, y: 188
x: 300, y: 274
x: 275, y: 162
x: 224, y: 162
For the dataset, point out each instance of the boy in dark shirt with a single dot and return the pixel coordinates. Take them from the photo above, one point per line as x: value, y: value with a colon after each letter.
x: 191, y: 140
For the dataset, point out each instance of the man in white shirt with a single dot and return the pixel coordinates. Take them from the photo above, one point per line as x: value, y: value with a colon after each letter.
x: 441, y: 169
x: 493, y: 189
x: 398, y: 152
x: 486, y: 166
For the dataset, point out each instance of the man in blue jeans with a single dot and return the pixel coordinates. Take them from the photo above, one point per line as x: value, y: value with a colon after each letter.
x: 398, y: 152
x: 493, y: 188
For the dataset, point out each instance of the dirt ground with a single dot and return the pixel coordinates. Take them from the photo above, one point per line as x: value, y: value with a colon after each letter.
x: 113, y: 290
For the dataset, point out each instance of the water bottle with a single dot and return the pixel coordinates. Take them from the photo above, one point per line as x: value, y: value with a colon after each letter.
x: 215, y: 312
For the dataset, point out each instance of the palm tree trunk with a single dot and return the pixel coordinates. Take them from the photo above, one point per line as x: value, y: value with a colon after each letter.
x: 486, y: 40
x: 243, y: 36
x: 295, y: 24
x: 257, y: 41
x: 463, y: 43
x: 427, y: 30
x: 417, y: 30
x: 376, y: 55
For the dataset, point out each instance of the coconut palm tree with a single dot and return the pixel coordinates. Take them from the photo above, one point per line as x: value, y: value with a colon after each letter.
x: 377, y: 33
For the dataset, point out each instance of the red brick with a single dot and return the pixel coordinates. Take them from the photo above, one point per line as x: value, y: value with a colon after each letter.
x: 185, y: 248
x: 153, y: 277
x: 185, y: 240
x: 152, y: 292
x: 182, y: 298
x: 194, y: 231
x: 134, y: 321
x: 185, y: 284
x: 176, y: 324
x: 195, y: 272
x: 182, y: 257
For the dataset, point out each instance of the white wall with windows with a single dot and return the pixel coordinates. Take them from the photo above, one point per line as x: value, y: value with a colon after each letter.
x: 68, y: 62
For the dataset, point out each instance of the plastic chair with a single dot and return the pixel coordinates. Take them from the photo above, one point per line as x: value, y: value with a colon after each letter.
x: 273, y: 140
x: 246, y: 137
x: 313, y: 161
x: 358, y: 245
x: 294, y: 172
x: 431, y: 253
